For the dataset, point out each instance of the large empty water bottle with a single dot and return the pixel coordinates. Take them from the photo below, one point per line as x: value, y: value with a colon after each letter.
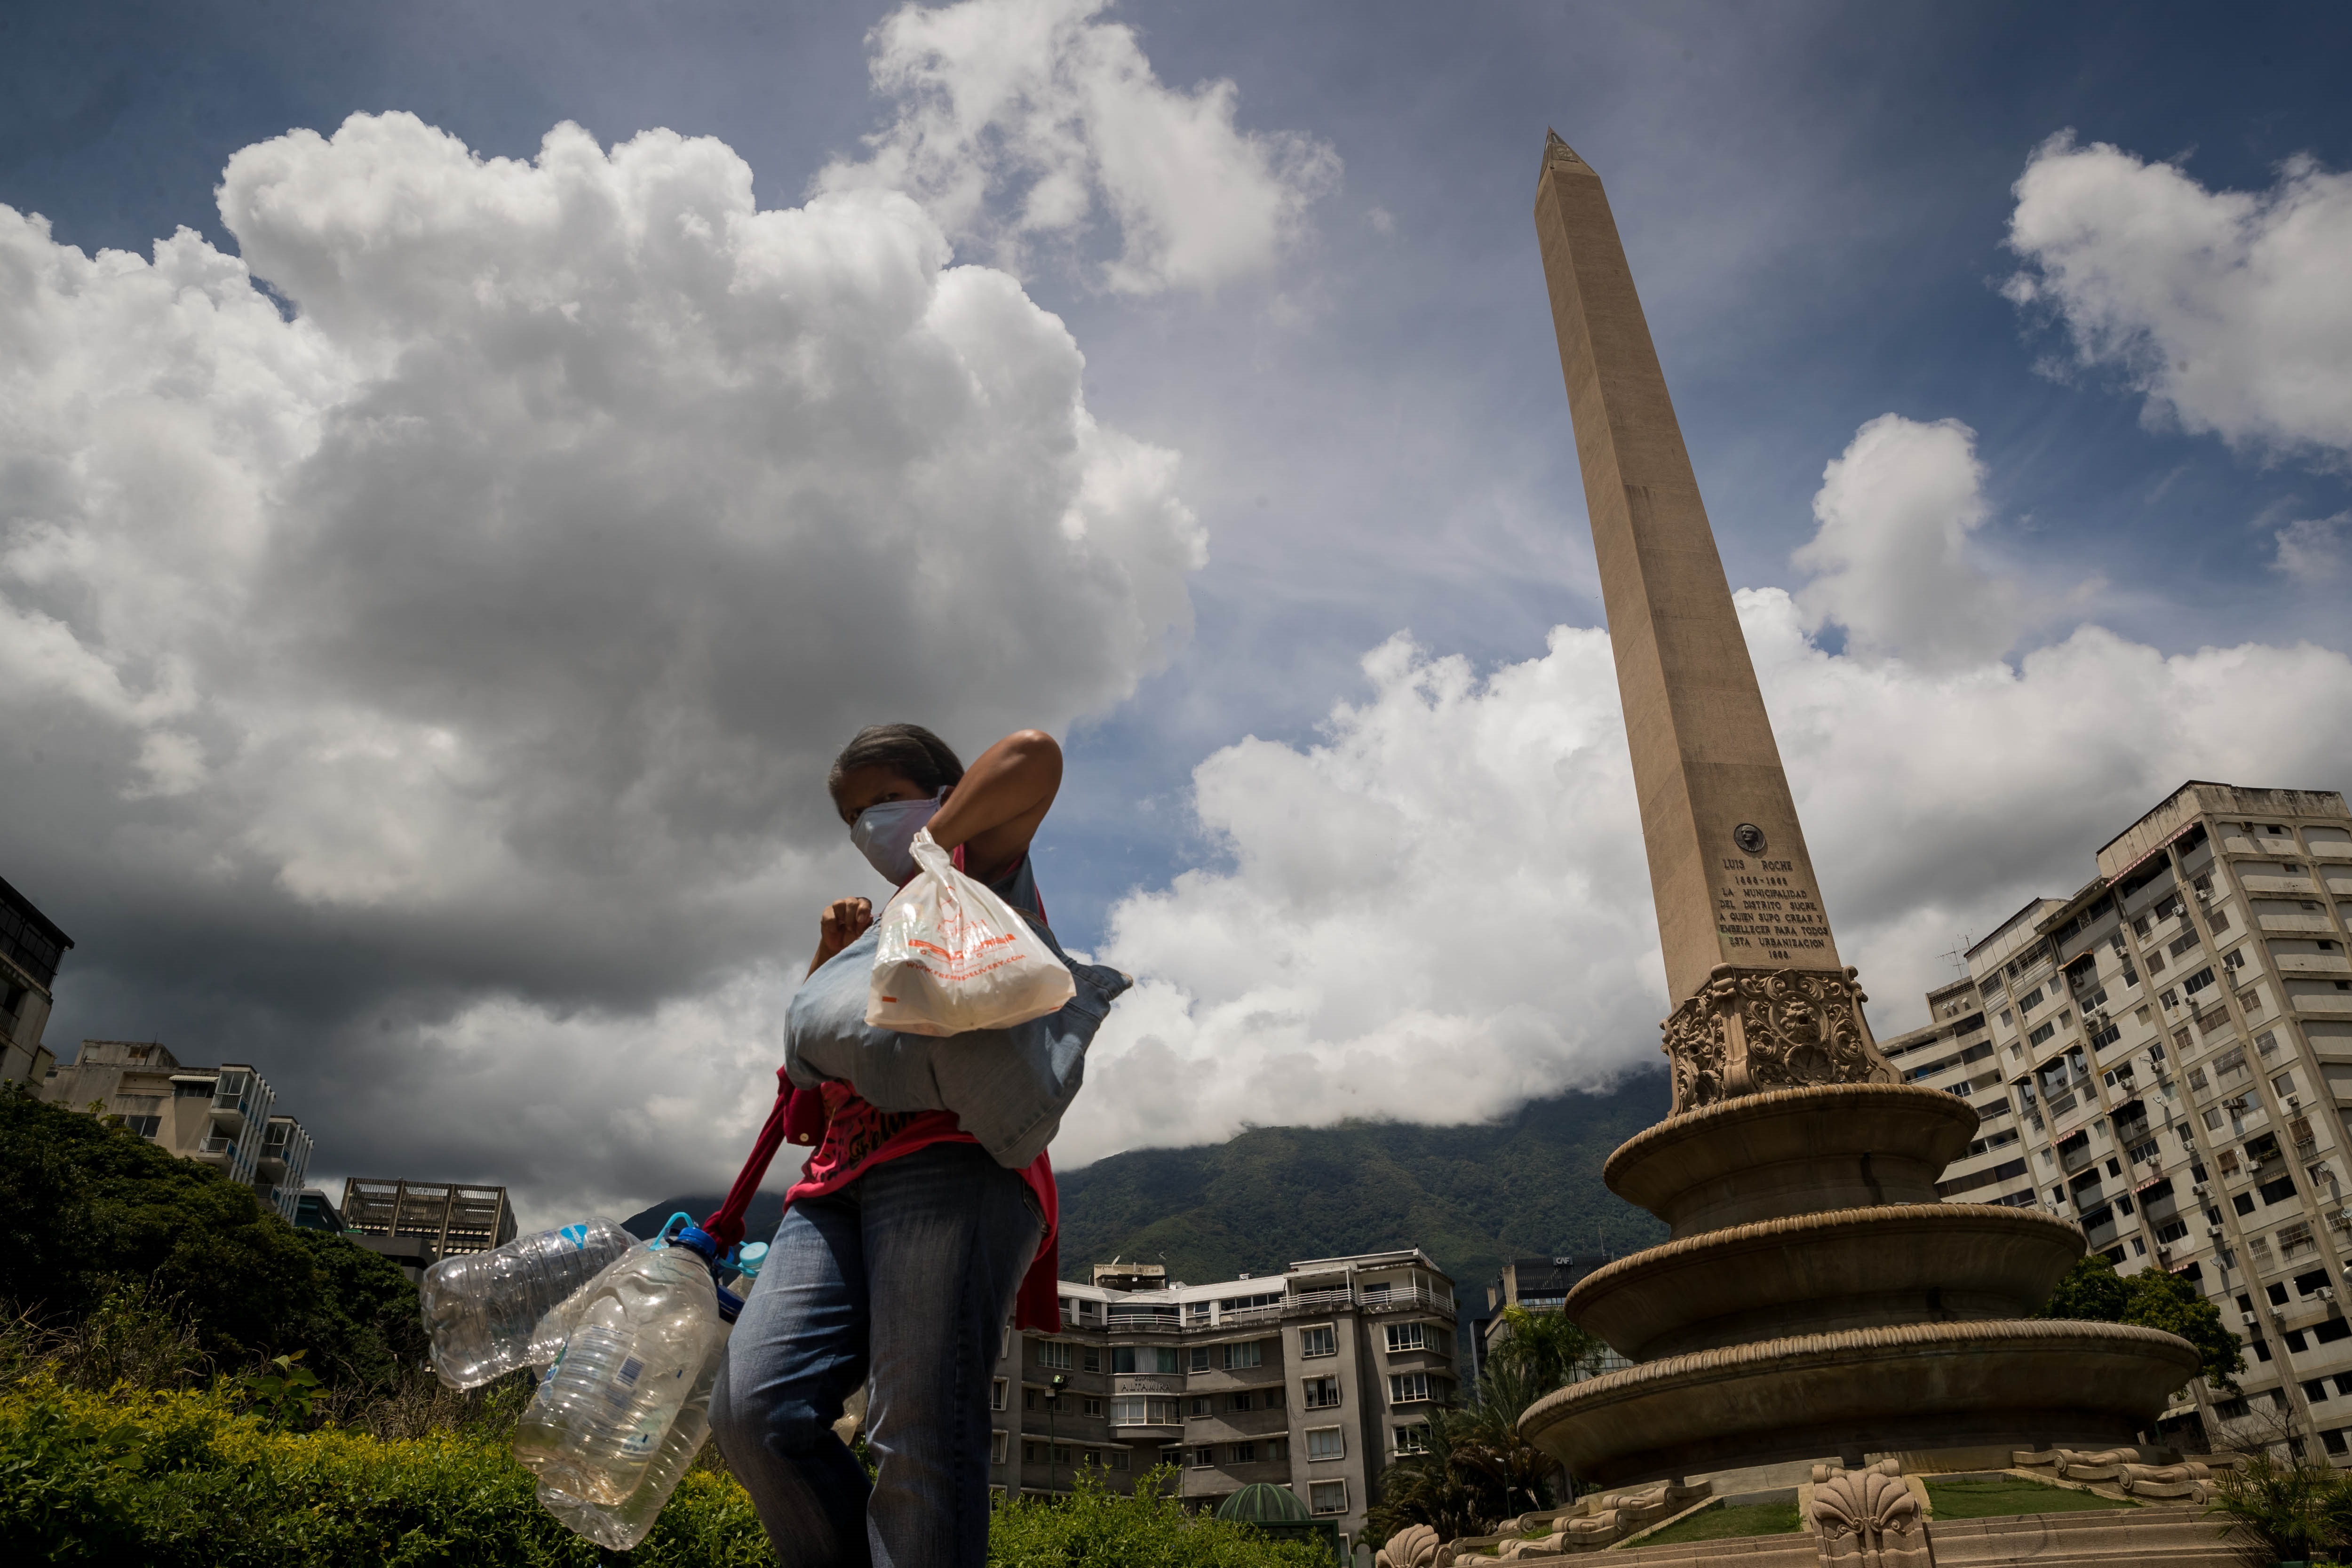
x: 622, y: 1526
x: 484, y: 1309
x: 641, y: 1335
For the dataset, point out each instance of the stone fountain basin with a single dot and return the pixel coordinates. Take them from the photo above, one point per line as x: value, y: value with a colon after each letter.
x: 1792, y: 1152
x: 1852, y: 1268
x: 2033, y: 1383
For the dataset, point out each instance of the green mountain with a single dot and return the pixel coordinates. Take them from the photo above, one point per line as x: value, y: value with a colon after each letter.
x: 1470, y: 1196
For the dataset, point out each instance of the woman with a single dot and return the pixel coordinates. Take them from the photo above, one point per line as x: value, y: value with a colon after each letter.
x: 906, y: 1239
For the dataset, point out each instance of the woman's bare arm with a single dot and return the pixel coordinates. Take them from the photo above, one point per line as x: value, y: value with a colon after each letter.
x: 996, y: 809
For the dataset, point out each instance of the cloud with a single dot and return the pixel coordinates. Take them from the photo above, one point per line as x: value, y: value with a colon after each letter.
x: 1019, y: 120
x: 1892, y: 553
x: 2226, y: 310
x: 2313, y: 549
x: 1440, y: 908
x: 445, y: 672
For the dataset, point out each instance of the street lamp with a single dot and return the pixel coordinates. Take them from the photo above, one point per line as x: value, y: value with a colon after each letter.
x: 1052, y: 1405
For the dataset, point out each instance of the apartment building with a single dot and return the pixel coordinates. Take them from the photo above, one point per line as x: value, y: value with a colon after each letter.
x: 1316, y: 1378
x: 31, y: 948
x: 1539, y: 1284
x: 225, y: 1117
x: 2164, y: 1057
x: 417, y: 1223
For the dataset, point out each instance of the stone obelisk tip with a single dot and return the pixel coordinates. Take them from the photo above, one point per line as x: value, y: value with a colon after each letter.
x: 1559, y: 152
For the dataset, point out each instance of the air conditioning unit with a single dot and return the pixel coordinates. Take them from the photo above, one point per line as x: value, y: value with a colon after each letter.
x: 2214, y: 1231
x: 2295, y: 1102
x: 2197, y: 1187
x: 2326, y: 1292
x: 2204, y: 895
x: 2251, y: 1321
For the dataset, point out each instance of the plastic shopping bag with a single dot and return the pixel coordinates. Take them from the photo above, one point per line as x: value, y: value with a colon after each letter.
x: 953, y: 956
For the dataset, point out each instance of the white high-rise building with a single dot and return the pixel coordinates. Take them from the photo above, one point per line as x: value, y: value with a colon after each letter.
x: 2164, y: 1057
x: 225, y: 1117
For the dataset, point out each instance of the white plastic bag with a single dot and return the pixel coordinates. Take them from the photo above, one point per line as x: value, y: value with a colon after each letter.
x: 950, y: 955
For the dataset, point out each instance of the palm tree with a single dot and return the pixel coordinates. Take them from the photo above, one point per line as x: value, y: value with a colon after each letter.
x: 1478, y: 1471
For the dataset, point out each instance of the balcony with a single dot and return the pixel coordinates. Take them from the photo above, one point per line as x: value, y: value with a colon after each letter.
x: 1134, y: 1319
x: 1414, y: 1300
x: 217, y: 1151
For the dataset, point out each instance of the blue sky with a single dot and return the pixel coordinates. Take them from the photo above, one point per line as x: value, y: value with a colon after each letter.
x: 1370, y: 438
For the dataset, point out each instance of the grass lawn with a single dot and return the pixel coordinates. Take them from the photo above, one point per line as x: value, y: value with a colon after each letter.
x: 1996, y: 1497
x: 1727, y: 1523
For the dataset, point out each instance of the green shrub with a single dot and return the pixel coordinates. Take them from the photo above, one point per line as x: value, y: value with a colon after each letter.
x: 1095, y: 1527
x: 184, y: 1478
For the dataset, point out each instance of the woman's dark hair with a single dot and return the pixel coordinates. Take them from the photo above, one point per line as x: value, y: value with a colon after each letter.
x: 908, y: 750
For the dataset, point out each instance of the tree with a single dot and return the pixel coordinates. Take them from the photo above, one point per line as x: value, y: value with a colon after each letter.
x: 85, y: 1204
x: 1478, y: 1470
x: 2151, y: 1299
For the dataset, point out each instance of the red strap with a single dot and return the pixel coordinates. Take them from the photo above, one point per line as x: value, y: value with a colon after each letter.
x: 793, y: 1107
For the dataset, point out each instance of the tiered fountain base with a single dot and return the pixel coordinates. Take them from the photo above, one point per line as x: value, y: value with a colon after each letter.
x: 1819, y: 1300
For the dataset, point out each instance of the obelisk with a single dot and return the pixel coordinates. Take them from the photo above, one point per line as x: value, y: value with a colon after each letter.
x: 1761, y: 999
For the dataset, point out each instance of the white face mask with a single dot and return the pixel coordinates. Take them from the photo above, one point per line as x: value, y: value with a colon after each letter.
x: 884, y: 835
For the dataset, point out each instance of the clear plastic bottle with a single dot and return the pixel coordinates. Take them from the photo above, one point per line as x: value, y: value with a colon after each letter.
x: 483, y: 1309
x: 623, y: 1526
x: 640, y: 1334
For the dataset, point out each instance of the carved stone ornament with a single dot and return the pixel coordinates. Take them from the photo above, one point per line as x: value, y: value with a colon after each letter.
x: 1414, y: 1546
x: 1868, y: 1519
x: 1749, y: 1030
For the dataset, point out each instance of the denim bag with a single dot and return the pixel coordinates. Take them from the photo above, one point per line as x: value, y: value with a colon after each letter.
x: 1008, y: 1088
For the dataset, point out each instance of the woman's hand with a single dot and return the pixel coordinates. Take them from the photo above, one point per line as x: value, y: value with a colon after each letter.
x: 1003, y: 798
x: 843, y: 922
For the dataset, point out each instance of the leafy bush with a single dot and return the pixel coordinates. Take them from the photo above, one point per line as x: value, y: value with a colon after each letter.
x: 86, y: 1204
x: 172, y: 1479
x: 1095, y: 1527
x: 2291, y: 1510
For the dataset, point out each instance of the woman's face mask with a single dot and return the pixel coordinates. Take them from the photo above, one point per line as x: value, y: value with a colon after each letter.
x: 885, y: 834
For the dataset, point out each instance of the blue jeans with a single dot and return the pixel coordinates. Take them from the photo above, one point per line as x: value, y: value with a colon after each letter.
x: 906, y: 1275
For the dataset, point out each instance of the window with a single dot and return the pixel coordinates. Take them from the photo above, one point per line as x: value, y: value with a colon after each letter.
x: 1249, y: 1353
x: 1139, y: 1410
x: 996, y: 1395
x: 1325, y: 1443
x: 1054, y: 1354
x: 1408, y: 1388
x: 2198, y: 982
x: 1412, y: 1439
x: 2243, y: 1203
x: 1278, y: 1449
x: 1029, y: 1398
x: 1327, y: 1497
x: 1203, y: 1457
x: 1118, y: 1459
x: 1199, y: 1359
x: 1094, y: 1359
x: 1033, y: 1453
x: 2040, y: 1033
x: 1241, y: 1401
x: 1143, y: 1358
x: 1197, y: 1405
x: 145, y: 1126
x: 183, y: 1089
x: 1242, y: 1453
x: 2282, y: 1085
x: 1322, y: 1393
x: 997, y: 1443
x: 1404, y: 1337
x: 1324, y: 1340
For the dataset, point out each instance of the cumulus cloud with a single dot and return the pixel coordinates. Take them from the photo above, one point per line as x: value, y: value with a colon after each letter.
x: 2226, y: 310
x: 1440, y: 908
x: 2314, y: 549
x: 459, y: 647
x: 1021, y: 121
x: 1892, y: 553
